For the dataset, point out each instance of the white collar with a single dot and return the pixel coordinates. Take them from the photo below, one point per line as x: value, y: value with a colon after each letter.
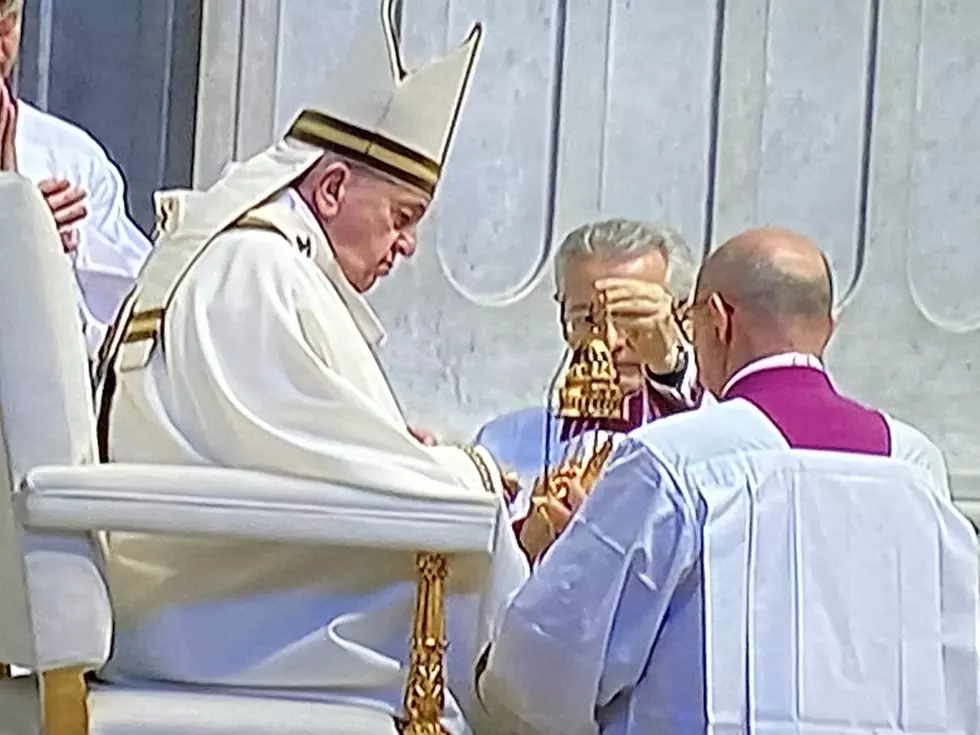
x: 785, y: 359
x: 322, y: 254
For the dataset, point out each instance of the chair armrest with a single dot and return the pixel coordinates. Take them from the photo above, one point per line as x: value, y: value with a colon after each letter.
x: 215, y: 501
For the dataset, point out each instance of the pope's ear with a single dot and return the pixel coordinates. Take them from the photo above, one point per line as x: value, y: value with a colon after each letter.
x: 331, y: 189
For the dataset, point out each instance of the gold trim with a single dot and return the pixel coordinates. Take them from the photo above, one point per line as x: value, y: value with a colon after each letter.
x: 143, y: 325
x: 252, y: 222
x: 64, y: 701
x: 147, y: 324
x: 425, y: 688
x: 481, y: 466
x: 4, y: 671
x: 326, y: 133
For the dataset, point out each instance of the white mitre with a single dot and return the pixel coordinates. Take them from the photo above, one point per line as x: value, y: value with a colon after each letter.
x: 378, y: 113
x: 372, y: 110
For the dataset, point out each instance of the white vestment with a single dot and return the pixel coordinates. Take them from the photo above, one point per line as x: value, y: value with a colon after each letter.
x: 695, y: 592
x: 268, y: 364
x: 111, y: 248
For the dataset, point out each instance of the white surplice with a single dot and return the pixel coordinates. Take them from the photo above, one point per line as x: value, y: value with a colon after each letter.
x: 268, y: 364
x: 690, y: 594
x: 111, y: 248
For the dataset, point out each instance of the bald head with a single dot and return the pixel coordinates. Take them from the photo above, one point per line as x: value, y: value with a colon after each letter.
x: 764, y: 292
x: 774, y: 274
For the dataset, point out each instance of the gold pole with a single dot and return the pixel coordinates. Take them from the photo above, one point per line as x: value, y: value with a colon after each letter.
x: 425, y: 685
x: 64, y: 702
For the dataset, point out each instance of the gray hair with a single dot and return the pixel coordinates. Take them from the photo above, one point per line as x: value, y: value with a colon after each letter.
x: 8, y: 6
x: 617, y: 238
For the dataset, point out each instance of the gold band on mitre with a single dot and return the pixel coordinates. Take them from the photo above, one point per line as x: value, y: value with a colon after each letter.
x: 320, y: 130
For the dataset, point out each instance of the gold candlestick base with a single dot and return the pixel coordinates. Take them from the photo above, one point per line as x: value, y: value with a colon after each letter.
x: 425, y: 689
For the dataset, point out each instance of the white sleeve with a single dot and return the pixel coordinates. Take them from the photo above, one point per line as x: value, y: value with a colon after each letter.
x: 911, y: 445
x: 254, y: 392
x: 111, y: 248
x: 579, y: 632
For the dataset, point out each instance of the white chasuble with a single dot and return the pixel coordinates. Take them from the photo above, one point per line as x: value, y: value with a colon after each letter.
x: 268, y: 365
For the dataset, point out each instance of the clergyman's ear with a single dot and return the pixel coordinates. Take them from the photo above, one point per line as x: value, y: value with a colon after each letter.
x: 721, y: 316
x: 331, y: 190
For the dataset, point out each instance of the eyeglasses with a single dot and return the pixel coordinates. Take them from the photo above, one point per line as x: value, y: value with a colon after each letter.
x: 685, y: 314
x: 576, y: 319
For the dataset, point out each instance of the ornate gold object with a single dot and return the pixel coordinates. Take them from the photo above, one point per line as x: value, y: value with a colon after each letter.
x: 64, y: 702
x: 591, y: 472
x: 558, y: 480
x: 590, y: 386
x: 589, y: 389
x: 425, y: 686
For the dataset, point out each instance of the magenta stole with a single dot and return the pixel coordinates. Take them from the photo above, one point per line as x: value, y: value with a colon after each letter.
x: 802, y: 403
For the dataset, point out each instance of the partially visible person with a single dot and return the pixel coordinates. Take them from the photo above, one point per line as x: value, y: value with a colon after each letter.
x: 785, y: 560
x: 646, y: 271
x: 82, y: 187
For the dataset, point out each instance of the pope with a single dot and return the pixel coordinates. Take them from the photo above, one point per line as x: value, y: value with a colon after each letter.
x: 248, y: 343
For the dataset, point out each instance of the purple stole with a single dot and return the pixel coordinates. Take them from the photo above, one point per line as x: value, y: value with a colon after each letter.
x: 802, y: 403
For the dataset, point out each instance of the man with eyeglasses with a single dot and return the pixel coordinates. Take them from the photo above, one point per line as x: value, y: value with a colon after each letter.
x: 785, y: 560
x: 646, y: 272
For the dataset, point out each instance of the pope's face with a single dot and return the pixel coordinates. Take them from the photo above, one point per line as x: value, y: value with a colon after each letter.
x: 9, y: 41
x: 578, y: 287
x: 374, y: 224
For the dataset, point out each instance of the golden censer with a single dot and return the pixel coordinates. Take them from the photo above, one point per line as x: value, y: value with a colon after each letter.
x: 588, y: 391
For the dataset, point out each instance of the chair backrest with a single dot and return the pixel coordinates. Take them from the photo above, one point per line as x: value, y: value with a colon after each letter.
x: 46, y: 416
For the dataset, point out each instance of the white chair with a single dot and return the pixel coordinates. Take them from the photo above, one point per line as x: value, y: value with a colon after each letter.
x: 55, y: 614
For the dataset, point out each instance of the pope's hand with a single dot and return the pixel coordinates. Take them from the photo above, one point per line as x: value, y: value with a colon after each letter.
x: 67, y: 204
x: 645, y: 313
x: 549, y: 516
x: 8, y: 129
x: 425, y: 436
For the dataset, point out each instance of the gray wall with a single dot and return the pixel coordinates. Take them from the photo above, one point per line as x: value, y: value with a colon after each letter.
x: 126, y: 71
x: 856, y: 121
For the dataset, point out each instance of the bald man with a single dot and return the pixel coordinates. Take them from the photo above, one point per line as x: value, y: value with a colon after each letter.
x: 783, y: 561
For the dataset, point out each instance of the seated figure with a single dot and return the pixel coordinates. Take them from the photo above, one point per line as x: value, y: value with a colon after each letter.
x: 247, y: 343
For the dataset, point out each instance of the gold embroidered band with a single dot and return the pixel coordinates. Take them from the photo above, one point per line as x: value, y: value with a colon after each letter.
x: 370, y: 149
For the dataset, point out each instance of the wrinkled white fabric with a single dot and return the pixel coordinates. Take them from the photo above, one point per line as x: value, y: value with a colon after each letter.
x: 268, y: 364
x: 718, y: 581
x: 111, y: 248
